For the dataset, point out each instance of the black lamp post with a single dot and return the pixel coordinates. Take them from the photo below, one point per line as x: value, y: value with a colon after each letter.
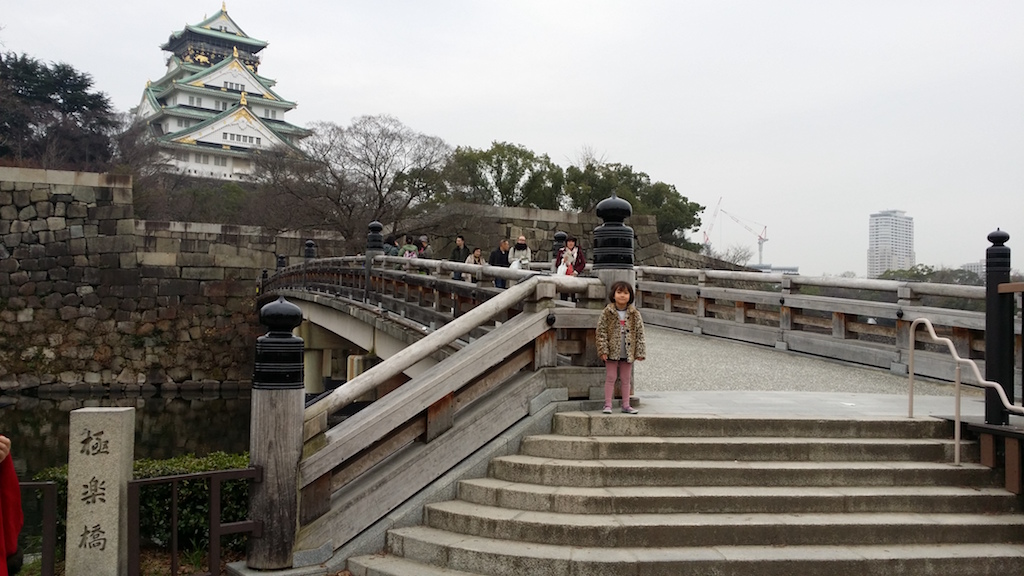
x: 998, y: 328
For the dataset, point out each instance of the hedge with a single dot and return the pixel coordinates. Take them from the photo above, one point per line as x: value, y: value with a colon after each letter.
x: 155, y: 501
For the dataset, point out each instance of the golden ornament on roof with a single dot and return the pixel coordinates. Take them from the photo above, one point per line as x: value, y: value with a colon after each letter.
x: 235, y: 51
x: 242, y: 100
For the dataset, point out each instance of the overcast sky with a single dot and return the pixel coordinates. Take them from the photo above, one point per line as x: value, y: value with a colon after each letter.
x: 803, y: 116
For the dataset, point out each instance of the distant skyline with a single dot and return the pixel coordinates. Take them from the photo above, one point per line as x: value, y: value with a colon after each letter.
x: 803, y: 116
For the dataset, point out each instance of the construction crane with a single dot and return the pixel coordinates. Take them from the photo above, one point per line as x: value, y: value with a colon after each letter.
x: 762, y: 237
x: 711, y: 224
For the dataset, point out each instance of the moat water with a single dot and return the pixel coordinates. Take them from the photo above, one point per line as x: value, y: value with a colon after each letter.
x: 196, y: 423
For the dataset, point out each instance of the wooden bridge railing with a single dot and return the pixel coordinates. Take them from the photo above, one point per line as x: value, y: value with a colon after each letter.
x: 356, y: 472
x: 870, y: 325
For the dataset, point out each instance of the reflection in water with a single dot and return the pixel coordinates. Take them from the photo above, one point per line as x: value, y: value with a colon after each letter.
x: 164, y: 426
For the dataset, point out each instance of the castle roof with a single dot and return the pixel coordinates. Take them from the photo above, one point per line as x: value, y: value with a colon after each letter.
x: 220, y: 26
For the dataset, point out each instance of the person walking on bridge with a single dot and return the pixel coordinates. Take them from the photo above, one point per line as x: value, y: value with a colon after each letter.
x: 459, y: 254
x: 572, y: 257
x: 499, y: 257
x: 519, y: 255
x: 620, y: 342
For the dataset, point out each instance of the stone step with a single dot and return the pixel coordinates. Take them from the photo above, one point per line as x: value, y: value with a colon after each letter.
x: 663, y: 425
x: 391, y: 565
x: 496, y: 557
x: 744, y: 448
x: 736, y: 499
x: 597, y: 473
x: 671, y: 530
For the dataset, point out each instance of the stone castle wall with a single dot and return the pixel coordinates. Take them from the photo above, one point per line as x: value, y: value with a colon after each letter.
x: 91, y: 297
x: 484, y: 226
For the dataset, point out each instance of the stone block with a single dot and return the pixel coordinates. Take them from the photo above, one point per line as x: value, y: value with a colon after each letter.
x: 101, y: 449
x: 84, y: 194
x: 107, y: 227
x: 167, y: 245
x: 196, y: 260
x: 122, y: 196
x: 157, y: 259
x: 228, y: 261
x: 178, y: 287
x: 195, y: 273
x: 129, y: 260
x: 22, y: 198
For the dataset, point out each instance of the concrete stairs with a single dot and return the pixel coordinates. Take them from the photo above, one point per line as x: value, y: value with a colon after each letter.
x: 667, y: 495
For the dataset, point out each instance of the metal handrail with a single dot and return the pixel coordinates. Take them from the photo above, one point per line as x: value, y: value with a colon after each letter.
x: 1007, y: 405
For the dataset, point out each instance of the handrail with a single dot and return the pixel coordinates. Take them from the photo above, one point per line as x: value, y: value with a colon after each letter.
x: 1007, y: 405
x: 367, y: 381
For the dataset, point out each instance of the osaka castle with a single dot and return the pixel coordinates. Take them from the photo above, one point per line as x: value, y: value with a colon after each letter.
x: 212, y: 110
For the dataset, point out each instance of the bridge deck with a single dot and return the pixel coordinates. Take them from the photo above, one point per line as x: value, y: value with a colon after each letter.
x: 691, y: 374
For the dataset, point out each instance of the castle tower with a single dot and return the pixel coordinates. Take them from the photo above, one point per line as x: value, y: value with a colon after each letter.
x: 211, y: 109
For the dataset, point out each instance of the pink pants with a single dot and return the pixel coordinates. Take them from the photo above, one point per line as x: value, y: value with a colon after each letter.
x: 624, y: 371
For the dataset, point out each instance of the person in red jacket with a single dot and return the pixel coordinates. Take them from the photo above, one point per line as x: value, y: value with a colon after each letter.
x: 11, y: 517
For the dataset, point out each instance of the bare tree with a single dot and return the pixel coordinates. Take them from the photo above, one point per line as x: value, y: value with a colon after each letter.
x: 375, y: 169
x: 735, y: 254
x: 395, y: 167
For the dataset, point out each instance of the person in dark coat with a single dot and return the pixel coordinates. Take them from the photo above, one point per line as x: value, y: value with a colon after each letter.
x: 499, y: 258
x: 459, y: 254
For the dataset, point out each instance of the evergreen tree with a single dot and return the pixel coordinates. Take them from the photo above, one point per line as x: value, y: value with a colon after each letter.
x: 51, y: 118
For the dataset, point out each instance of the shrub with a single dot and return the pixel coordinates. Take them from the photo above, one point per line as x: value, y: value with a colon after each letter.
x: 193, y: 500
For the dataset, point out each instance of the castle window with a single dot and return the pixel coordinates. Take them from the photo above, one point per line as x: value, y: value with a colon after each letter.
x: 220, y: 161
x: 224, y: 134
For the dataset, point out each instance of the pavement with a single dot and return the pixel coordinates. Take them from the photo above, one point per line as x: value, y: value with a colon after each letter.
x: 686, y: 373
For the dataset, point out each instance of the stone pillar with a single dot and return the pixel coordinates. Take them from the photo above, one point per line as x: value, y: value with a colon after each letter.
x: 275, y: 436
x: 102, y: 446
x: 998, y: 327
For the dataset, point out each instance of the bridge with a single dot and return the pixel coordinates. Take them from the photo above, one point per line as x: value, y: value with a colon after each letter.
x: 468, y: 371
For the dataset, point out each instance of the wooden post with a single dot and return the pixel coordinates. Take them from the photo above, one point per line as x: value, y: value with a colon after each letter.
x: 275, y: 439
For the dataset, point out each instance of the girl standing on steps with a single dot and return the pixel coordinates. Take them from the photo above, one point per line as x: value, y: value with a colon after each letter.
x: 620, y: 341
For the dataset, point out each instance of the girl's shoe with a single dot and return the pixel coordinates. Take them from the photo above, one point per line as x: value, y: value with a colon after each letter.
x: 607, y: 410
x: 630, y: 410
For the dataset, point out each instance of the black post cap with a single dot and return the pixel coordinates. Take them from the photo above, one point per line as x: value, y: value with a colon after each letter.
x: 613, y: 240
x: 279, y: 354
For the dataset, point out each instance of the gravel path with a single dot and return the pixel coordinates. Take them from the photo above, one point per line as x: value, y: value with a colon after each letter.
x: 682, y: 361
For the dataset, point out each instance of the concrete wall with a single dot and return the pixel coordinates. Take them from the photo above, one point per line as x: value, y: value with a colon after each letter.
x: 91, y: 297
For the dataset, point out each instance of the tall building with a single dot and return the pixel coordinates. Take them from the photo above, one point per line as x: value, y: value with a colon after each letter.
x: 211, y: 109
x: 890, y: 242
x: 978, y: 267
